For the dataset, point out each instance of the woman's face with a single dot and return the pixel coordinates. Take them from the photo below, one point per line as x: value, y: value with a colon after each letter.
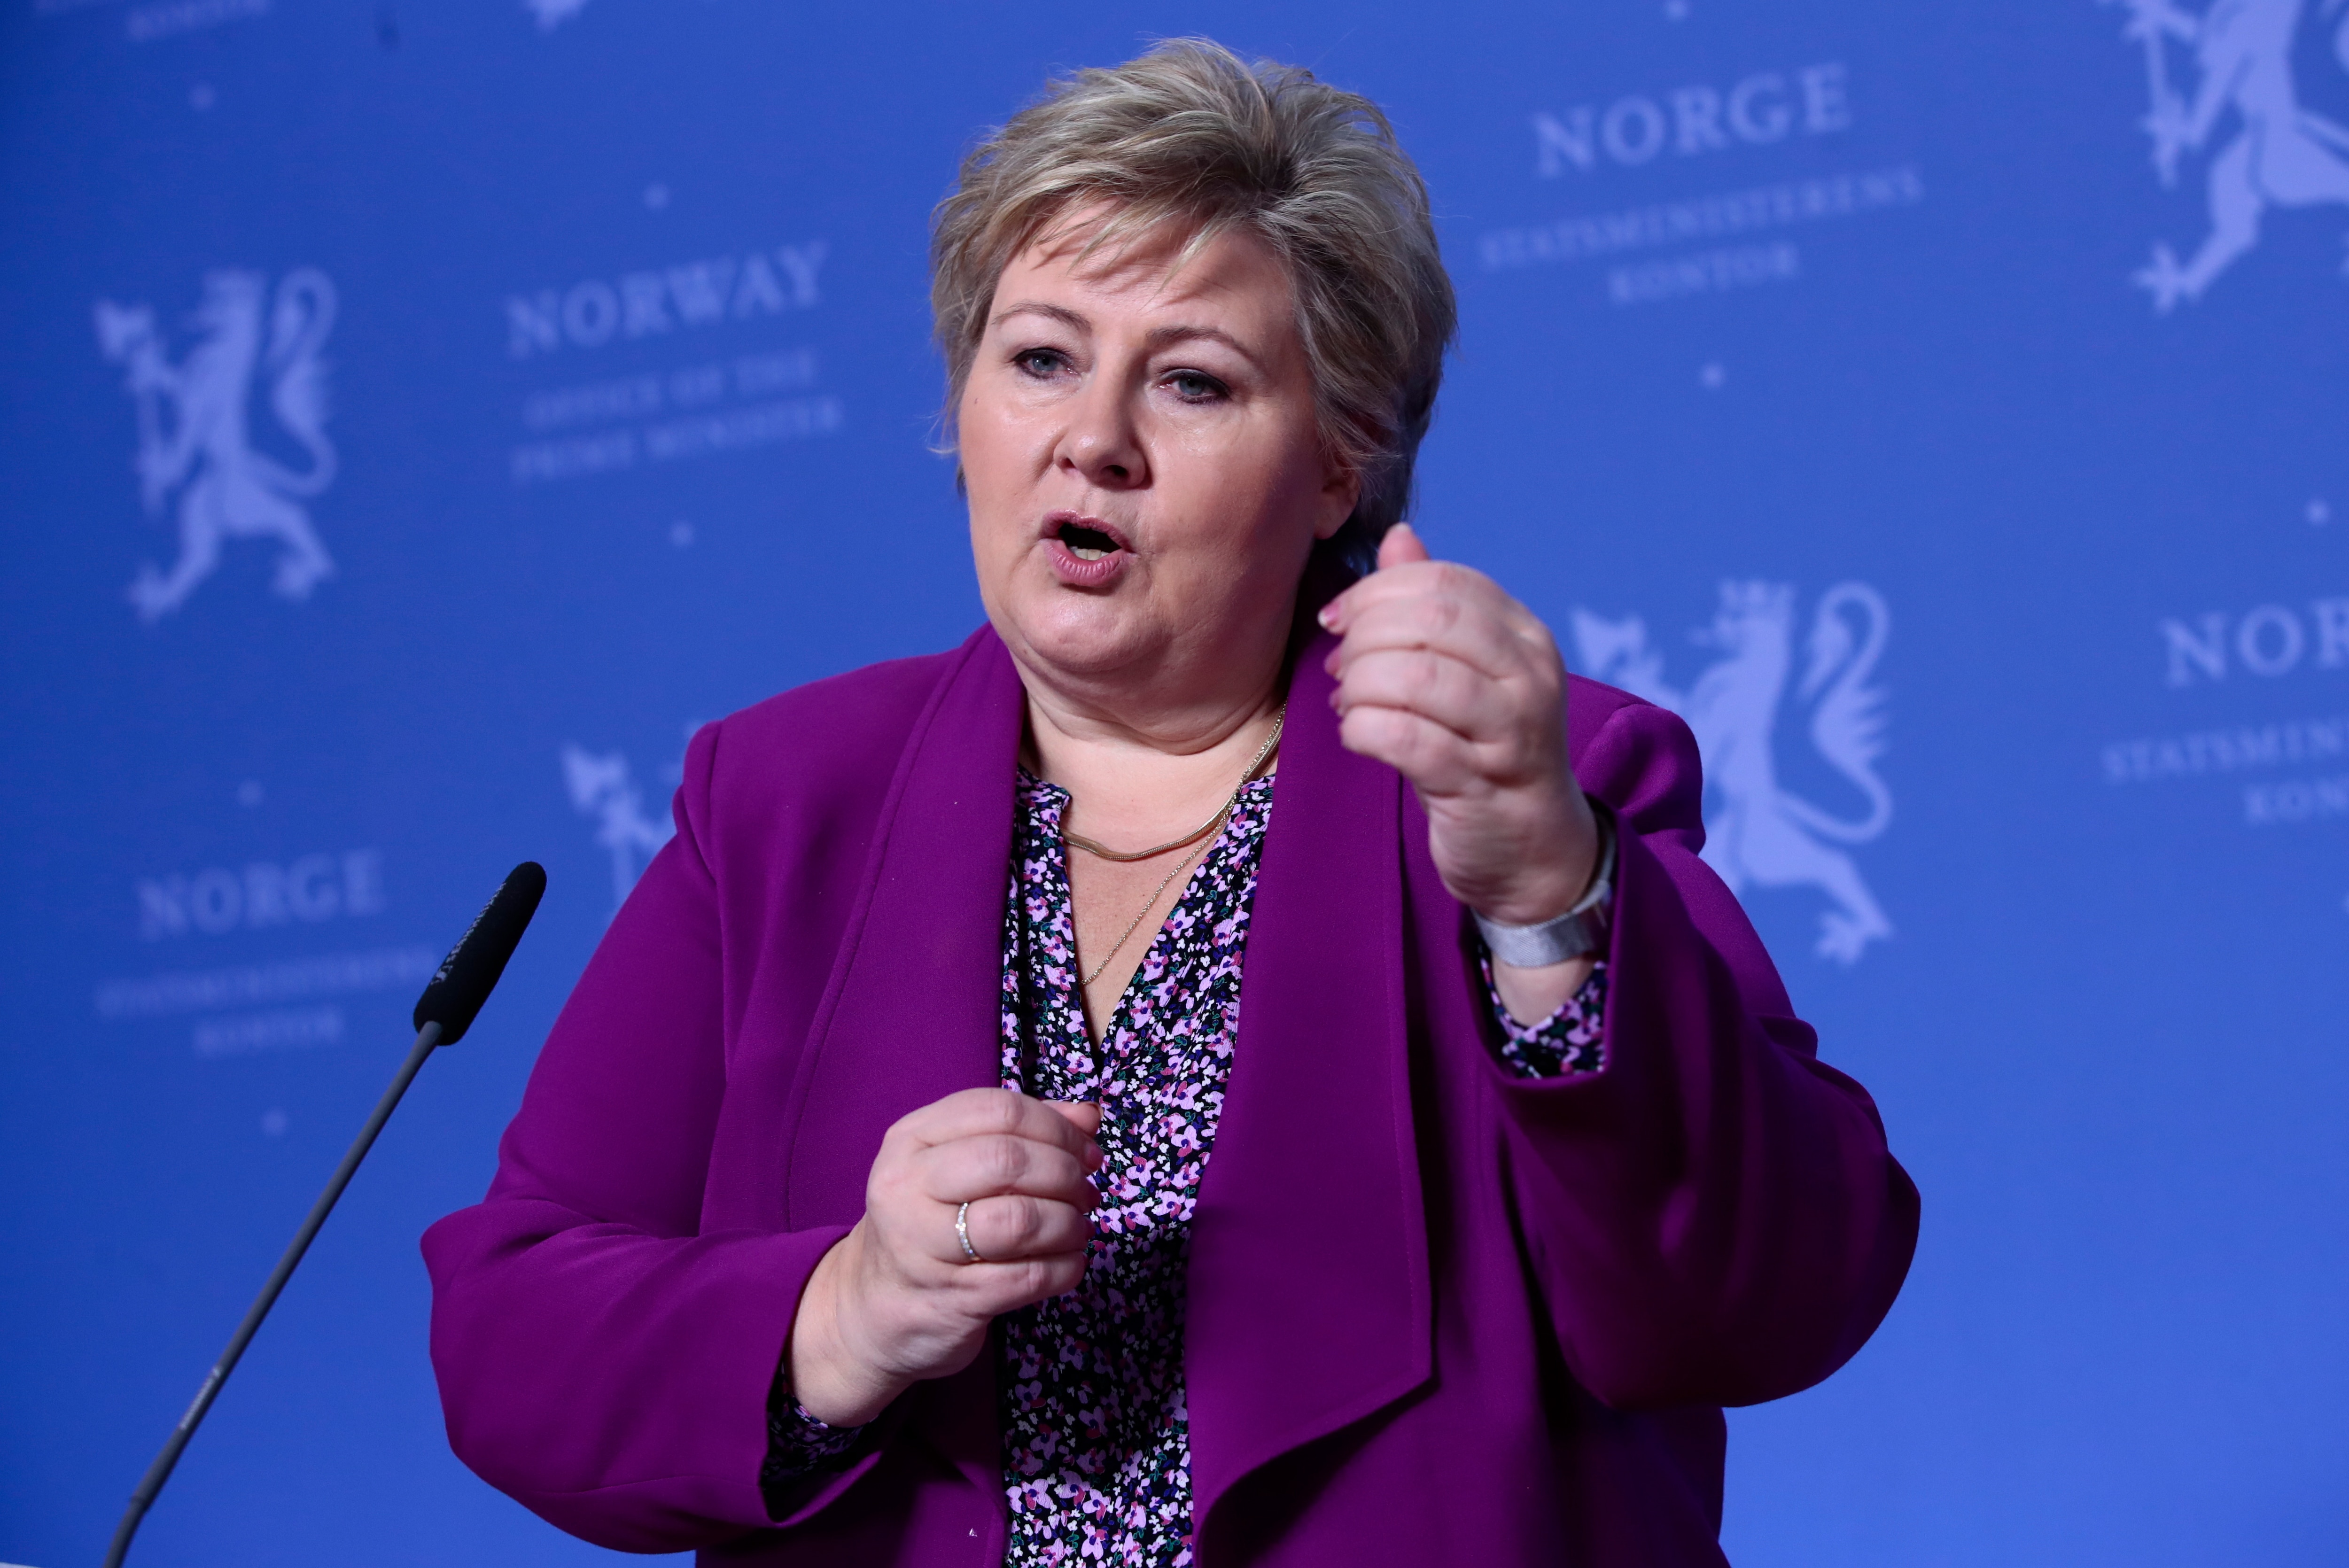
x: 1145, y: 473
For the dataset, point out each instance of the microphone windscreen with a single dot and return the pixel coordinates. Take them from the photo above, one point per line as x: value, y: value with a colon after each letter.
x: 465, y: 978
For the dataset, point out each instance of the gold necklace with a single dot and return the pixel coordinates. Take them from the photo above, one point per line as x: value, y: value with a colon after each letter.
x: 1102, y: 851
x: 1191, y: 838
x: 1119, y: 945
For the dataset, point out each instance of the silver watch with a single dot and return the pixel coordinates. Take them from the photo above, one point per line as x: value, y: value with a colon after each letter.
x: 1580, y: 929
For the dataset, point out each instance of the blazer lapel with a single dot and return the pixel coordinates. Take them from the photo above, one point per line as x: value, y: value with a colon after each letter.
x: 1308, y: 1296
x: 910, y: 1014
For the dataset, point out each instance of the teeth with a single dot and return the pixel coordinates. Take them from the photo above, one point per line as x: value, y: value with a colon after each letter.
x: 1084, y: 552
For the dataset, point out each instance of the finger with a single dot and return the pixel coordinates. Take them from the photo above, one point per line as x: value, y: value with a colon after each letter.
x: 1010, y: 1230
x: 1399, y: 580
x: 1400, y: 547
x: 983, y: 1112
x: 1433, y: 757
x: 994, y: 1289
x: 1445, y: 586
x: 1409, y: 579
x: 1461, y: 698
x: 1083, y: 1114
x: 994, y: 1164
x: 1479, y: 635
x: 1463, y: 591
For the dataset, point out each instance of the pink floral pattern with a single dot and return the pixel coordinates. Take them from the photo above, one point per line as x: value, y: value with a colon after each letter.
x: 1096, y: 1440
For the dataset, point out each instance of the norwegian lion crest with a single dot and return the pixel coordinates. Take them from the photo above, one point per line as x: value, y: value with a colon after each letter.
x: 2270, y: 150
x: 195, y: 432
x: 1758, y: 832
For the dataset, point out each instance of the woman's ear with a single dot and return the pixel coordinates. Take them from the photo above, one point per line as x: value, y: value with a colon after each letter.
x: 1341, y: 493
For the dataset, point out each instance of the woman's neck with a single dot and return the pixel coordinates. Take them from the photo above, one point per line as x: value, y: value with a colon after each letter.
x: 1141, y: 775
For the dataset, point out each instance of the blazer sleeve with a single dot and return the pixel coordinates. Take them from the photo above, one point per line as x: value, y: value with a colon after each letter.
x: 602, y: 1358
x: 1712, y: 1217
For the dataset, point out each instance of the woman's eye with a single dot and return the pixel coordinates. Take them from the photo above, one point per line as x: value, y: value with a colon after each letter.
x: 1196, y: 387
x: 1041, y: 362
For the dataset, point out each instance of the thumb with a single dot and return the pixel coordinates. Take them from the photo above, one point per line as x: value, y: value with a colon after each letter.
x: 1084, y: 1115
x: 1400, y: 547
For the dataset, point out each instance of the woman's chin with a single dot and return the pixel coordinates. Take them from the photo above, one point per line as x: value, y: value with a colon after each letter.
x: 1083, y: 635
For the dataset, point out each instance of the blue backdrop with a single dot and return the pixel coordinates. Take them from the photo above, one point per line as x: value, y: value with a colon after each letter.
x: 417, y: 415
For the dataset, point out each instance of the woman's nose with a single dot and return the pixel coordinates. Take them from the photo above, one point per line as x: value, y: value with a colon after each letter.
x: 1101, y: 443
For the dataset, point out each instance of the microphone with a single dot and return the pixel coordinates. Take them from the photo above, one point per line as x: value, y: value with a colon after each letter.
x: 443, y: 1014
x: 465, y: 978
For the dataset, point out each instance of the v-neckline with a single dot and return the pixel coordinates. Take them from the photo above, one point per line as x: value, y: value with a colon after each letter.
x: 1069, y: 1007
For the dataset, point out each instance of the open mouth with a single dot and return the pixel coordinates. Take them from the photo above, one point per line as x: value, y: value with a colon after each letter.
x: 1087, y: 553
x: 1087, y: 543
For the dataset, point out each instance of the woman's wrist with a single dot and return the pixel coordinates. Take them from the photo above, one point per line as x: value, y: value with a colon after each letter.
x: 1531, y: 987
x: 1552, y: 873
x: 831, y: 1382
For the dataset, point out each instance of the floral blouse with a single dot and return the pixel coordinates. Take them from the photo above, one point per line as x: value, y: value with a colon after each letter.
x: 1096, y: 1439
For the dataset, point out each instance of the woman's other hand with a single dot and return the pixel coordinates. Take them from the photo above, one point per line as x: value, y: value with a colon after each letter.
x: 898, y: 1301
x: 1460, y: 688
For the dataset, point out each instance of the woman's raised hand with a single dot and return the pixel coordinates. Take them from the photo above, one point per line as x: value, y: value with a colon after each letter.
x: 899, y: 1301
x: 1460, y: 688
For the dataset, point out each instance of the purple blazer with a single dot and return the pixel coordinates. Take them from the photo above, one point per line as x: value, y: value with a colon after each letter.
x: 1436, y: 1313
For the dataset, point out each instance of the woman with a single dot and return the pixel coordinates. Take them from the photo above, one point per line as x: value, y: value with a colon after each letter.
x: 1237, y: 1061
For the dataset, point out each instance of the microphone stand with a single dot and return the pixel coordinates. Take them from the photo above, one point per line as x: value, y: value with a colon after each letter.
x: 443, y: 1014
x: 159, y: 1471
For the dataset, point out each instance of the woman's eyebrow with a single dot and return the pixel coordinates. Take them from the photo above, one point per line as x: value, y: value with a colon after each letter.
x: 1059, y: 312
x: 1177, y: 332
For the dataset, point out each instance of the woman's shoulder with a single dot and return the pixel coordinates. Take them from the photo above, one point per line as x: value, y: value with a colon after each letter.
x: 840, y: 714
x: 1592, y: 703
x: 807, y: 755
x: 1597, y: 715
x: 1634, y: 755
x: 844, y: 723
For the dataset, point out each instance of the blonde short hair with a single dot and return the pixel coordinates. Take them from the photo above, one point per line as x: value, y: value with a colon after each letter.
x: 1191, y: 134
